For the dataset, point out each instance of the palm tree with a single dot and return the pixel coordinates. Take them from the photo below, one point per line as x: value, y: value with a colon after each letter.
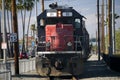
x: 22, y: 5
x: 30, y: 10
x: 26, y: 5
x: 7, y: 8
x: 33, y: 31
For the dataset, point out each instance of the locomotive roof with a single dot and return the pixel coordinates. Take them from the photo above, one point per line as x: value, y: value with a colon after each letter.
x: 75, y: 14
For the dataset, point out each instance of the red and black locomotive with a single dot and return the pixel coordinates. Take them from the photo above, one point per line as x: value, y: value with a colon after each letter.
x: 63, y: 42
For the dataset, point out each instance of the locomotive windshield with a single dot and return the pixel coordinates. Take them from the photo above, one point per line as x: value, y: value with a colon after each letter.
x: 59, y: 20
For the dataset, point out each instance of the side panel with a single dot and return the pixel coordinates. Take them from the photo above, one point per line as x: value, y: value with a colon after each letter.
x: 59, y: 35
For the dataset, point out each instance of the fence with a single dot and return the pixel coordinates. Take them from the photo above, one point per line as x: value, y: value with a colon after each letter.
x: 5, y: 72
x: 25, y: 66
x: 8, y: 69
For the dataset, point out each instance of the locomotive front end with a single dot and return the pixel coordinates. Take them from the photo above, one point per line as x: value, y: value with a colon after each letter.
x: 61, y: 40
x: 59, y: 56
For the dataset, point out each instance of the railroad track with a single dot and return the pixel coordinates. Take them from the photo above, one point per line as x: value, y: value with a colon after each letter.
x: 93, y: 70
x: 34, y: 76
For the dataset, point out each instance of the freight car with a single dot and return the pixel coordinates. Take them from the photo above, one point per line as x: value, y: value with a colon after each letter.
x: 63, y: 42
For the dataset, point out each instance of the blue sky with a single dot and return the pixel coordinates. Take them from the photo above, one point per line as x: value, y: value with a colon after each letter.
x: 88, y: 8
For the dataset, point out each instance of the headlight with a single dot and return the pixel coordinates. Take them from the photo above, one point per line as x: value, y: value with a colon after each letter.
x: 69, y: 44
x: 48, y: 45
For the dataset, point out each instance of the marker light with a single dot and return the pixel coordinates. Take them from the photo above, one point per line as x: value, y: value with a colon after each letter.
x: 59, y: 13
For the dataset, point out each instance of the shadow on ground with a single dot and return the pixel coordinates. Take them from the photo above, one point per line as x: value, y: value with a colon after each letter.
x: 92, y: 69
x: 29, y: 76
x: 97, y: 69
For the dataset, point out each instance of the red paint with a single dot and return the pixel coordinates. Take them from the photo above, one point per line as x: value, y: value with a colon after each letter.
x: 59, y: 35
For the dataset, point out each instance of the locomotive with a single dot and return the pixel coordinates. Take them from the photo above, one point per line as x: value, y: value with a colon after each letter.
x: 62, y: 42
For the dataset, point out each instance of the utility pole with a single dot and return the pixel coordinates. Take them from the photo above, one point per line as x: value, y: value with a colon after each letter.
x: 42, y: 8
x: 98, y: 31
x: 103, y: 37
x: 96, y: 42
x: 113, y: 25
x: 106, y: 41
x: 4, y: 31
x: 15, y: 30
x: 42, y: 1
x: 33, y: 40
x: 36, y: 8
x: 1, y: 54
x: 110, y: 27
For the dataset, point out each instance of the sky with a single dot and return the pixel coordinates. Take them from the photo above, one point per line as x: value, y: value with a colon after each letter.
x: 88, y: 8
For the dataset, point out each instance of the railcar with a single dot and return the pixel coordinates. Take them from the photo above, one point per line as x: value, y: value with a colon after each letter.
x: 63, y: 42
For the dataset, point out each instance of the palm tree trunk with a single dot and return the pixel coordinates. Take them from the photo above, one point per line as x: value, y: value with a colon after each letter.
x: 28, y: 29
x: 8, y: 22
x: 23, y: 22
x: 24, y: 31
x: 8, y: 41
x: 11, y: 44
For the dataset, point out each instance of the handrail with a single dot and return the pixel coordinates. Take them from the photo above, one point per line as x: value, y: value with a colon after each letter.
x: 77, y: 41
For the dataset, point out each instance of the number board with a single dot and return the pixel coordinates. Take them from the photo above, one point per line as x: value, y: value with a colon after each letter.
x: 4, y: 45
x: 13, y: 37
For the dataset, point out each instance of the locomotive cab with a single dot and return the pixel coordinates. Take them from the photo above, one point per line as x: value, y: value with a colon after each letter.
x: 62, y: 42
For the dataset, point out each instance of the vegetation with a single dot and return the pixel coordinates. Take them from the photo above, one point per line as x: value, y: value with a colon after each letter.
x: 23, y: 6
x: 117, y: 40
x: 33, y: 29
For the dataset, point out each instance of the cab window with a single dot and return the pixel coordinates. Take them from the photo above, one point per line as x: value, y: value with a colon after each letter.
x: 77, y: 23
